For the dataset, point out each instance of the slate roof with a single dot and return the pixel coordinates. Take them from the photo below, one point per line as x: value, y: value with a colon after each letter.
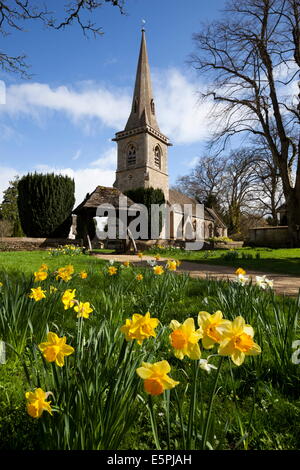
x: 176, y: 197
x: 106, y: 195
x: 102, y: 195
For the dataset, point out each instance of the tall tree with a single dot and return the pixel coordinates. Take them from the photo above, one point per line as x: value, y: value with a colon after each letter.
x: 9, y: 207
x: 269, y: 193
x: 227, y: 184
x: 252, y: 58
x: 239, y: 187
x: 45, y: 204
x: 15, y: 14
x: 205, y: 181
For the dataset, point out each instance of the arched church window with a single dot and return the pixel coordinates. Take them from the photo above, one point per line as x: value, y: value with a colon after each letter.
x: 131, y: 156
x: 157, y: 156
x: 152, y: 105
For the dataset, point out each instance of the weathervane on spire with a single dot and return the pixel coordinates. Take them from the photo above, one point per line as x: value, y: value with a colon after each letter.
x: 143, y: 25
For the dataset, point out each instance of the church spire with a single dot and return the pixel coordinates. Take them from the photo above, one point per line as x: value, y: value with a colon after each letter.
x: 143, y: 108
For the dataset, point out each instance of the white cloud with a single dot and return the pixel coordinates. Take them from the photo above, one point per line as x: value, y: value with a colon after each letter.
x: 6, y: 132
x: 86, y: 179
x: 110, y: 107
x: 180, y: 116
x: 6, y: 175
x: 108, y: 160
x: 76, y: 155
x: 192, y: 163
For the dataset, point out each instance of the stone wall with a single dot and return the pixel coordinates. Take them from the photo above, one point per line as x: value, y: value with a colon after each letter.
x: 31, y: 244
x: 144, y: 173
x: 276, y: 237
x: 226, y: 245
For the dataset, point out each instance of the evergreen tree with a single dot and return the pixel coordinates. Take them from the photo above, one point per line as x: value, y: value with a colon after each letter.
x: 45, y: 204
x: 9, y: 207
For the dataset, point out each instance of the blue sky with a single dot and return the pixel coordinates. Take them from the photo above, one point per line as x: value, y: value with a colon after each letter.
x: 64, y: 117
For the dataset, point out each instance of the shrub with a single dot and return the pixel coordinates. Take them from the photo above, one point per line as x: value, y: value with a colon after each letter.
x: 220, y: 239
x: 230, y: 255
x: 6, y: 228
x: 45, y: 204
x: 148, y: 196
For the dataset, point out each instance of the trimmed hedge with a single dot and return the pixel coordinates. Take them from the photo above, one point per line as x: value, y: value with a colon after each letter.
x: 45, y: 204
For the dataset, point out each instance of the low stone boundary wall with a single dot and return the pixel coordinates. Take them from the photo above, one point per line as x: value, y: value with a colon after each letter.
x: 226, y: 245
x: 31, y: 244
x: 276, y: 237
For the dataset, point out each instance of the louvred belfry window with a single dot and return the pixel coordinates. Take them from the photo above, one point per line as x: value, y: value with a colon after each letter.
x: 131, y: 156
x: 157, y: 156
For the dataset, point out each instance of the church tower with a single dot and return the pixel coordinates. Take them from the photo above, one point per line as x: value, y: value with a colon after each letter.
x: 142, y: 148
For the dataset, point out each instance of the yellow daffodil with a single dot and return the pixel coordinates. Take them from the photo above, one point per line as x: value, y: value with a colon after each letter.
x: 209, y: 324
x: 44, y: 267
x: 83, y: 275
x: 40, y: 276
x: 37, y: 403
x: 65, y: 273
x: 184, y: 339
x: 65, y: 276
x: 139, y: 327
x: 126, y: 264
x: 112, y: 271
x: 158, y: 270
x: 68, y: 298
x: 171, y: 265
x: 55, y: 349
x: 37, y: 294
x: 83, y: 309
x: 69, y: 269
x: 139, y: 277
x: 157, y: 257
x: 53, y: 289
x: 155, y: 377
x: 140, y: 255
x: 240, y: 271
x: 237, y: 341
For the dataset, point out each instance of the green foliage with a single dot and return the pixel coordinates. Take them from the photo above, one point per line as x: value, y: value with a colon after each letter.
x: 67, y: 250
x: 45, y: 204
x: 9, y: 207
x: 230, y: 255
x: 220, y: 239
x: 148, y: 196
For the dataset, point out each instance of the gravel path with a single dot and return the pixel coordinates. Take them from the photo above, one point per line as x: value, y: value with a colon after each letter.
x: 283, y: 283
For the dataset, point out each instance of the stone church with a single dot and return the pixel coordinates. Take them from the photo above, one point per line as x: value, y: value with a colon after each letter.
x: 143, y: 162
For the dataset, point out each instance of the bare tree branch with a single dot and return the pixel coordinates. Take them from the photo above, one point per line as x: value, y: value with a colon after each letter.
x: 246, y: 57
x: 14, y: 14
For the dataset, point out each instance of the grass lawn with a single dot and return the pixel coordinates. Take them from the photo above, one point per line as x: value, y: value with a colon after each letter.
x: 286, y: 261
x: 29, y: 261
x: 98, y: 400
